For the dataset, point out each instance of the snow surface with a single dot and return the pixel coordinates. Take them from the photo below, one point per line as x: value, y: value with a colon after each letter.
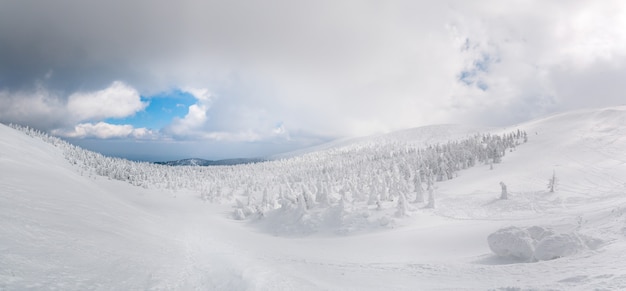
x: 63, y: 230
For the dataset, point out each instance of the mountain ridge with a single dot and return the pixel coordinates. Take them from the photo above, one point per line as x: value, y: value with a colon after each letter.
x: 205, y: 163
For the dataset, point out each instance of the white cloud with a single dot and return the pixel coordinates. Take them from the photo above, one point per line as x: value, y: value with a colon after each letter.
x: 47, y: 109
x: 248, y: 136
x: 367, y: 67
x: 117, y: 101
x: 193, y: 123
x: 539, y: 57
x: 216, y: 119
x: 105, y: 130
x: 203, y: 95
x: 38, y: 108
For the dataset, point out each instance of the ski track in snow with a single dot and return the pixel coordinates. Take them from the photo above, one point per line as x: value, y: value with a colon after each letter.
x: 60, y: 230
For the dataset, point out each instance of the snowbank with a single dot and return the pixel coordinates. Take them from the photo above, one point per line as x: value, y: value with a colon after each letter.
x: 537, y: 243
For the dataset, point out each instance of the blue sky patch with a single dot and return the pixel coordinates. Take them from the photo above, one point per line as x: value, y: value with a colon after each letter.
x: 484, y: 63
x: 472, y: 76
x: 467, y: 77
x: 162, y: 109
x: 482, y: 85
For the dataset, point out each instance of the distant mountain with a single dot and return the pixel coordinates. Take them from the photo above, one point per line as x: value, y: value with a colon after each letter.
x: 202, y: 162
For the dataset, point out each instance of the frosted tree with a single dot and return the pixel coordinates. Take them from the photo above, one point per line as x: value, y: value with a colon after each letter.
x: 301, y: 204
x: 380, y: 170
x: 402, y: 208
x: 419, y: 192
x: 322, y: 197
x: 384, y: 195
x: 308, y: 198
x: 265, y: 199
x: 504, y: 194
x: 552, y: 182
x: 431, y: 193
x: 373, y: 199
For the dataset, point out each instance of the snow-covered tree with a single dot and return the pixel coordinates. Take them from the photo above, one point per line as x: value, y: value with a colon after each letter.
x: 419, y: 191
x: 322, y: 196
x: 308, y: 198
x: 370, y: 173
x: 431, y: 194
x: 552, y: 182
x: 301, y: 204
x: 402, y: 208
x: 504, y: 194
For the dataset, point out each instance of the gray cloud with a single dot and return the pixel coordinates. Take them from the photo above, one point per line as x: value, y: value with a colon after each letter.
x: 317, y: 68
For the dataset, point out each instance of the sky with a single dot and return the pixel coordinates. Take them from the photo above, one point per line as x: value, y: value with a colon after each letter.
x: 163, y: 80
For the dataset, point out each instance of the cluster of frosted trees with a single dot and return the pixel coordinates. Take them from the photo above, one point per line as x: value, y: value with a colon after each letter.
x: 370, y: 173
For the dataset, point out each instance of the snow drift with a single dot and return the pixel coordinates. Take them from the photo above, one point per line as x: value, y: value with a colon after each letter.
x: 537, y: 243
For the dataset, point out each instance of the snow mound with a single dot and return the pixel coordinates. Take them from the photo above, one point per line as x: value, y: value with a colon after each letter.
x: 559, y: 245
x: 537, y: 243
x: 512, y: 242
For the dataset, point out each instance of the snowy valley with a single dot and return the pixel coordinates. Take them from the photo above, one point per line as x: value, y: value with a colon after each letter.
x: 419, y: 209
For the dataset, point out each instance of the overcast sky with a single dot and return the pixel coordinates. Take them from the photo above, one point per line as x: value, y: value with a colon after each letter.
x: 161, y: 80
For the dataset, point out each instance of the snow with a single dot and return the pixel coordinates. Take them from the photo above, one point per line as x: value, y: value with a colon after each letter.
x: 558, y: 246
x: 538, y: 243
x: 512, y: 242
x: 65, y: 229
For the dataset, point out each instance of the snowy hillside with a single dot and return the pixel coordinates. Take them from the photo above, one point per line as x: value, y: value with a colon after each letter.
x: 421, y: 136
x: 346, y: 216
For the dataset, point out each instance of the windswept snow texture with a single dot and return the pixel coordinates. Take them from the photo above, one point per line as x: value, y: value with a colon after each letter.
x: 63, y: 227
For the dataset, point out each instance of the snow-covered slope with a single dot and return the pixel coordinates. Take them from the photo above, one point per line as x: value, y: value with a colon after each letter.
x: 60, y: 230
x: 63, y: 230
x: 420, y: 136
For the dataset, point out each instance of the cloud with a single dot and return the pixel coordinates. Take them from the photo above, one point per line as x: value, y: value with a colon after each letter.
x: 103, y: 130
x: 539, y: 56
x: 46, y: 109
x: 116, y: 101
x: 192, y: 123
x: 37, y: 108
x: 322, y: 69
x: 213, y: 119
